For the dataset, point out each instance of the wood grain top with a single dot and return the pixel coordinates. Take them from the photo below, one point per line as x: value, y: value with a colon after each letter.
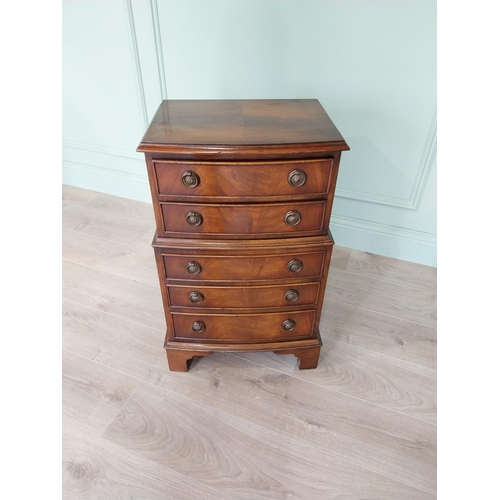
x: 200, y: 125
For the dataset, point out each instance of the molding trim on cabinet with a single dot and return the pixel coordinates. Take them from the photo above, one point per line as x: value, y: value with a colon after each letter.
x: 158, y: 47
x: 425, y: 165
x: 135, y: 55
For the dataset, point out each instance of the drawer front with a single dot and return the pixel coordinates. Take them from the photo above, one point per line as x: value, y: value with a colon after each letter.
x: 244, y: 221
x: 249, y: 296
x: 244, y: 327
x: 243, y: 267
x: 246, y: 179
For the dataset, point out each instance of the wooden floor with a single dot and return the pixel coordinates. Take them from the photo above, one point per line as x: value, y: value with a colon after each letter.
x: 360, y: 426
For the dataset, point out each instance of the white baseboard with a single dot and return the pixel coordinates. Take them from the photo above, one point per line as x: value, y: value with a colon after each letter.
x: 381, y: 239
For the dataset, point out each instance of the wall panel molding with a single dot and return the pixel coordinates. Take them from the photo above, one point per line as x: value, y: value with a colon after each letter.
x: 427, y: 156
x: 384, y: 239
x: 101, y: 149
x: 387, y: 229
x: 137, y: 63
x: 158, y: 48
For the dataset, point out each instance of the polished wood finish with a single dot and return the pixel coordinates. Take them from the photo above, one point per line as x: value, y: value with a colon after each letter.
x: 244, y: 327
x: 362, y: 425
x: 228, y: 181
x: 227, y: 297
x: 237, y: 265
x: 264, y: 220
x: 242, y: 194
x: 239, y: 128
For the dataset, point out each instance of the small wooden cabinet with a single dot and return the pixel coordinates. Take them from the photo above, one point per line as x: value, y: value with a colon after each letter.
x: 242, y: 193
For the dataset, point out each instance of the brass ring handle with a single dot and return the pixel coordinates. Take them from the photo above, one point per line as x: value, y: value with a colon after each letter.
x: 288, y: 324
x: 297, y: 178
x: 198, y: 326
x: 196, y: 297
x: 194, y: 218
x: 291, y: 295
x: 190, y: 179
x: 292, y: 218
x: 193, y: 267
x: 295, y: 266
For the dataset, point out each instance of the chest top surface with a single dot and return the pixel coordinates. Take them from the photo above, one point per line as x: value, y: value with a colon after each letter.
x: 201, y: 125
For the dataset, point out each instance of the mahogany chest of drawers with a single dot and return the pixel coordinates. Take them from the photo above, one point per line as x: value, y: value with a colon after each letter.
x: 242, y: 193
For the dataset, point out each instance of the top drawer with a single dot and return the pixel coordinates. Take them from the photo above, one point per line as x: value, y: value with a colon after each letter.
x: 230, y: 180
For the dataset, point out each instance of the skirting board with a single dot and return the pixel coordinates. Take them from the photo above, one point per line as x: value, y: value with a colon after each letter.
x: 381, y: 239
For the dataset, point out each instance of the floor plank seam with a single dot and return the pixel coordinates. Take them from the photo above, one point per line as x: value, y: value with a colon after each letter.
x: 124, y: 217
x: 111, y: 274
x: 107, y: 404
x: 375, y: 353
x: 162, y: 332
x: 131, y: 245
x: 401, y: 318
x: 384, y: 279
x: 336, y: 391
x: 381, y: 280
x: 65, y: 259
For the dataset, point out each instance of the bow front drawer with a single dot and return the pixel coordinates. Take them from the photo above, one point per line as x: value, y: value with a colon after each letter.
x: 244, y: 327
x: 230, y: 180
x: 217, y: 297
x: 263, y: 220
x: 196, y: 267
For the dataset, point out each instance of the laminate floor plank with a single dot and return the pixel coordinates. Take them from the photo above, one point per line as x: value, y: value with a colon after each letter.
x: 96, y: 468
x: 389, y: 382
x: 395, y: 271
x: 76, y: 196
x: 92, y: 394
x: 86, y: 330
x: 123, y: 297
x: 135, y: 262
x: 384, y: 381
x: 380, y: 333
x: 123, y: 207
x: 390, y: 443
x: 377, y: 295
x: 241, y: 460
x: 340, y: 257
x: 103, y: 225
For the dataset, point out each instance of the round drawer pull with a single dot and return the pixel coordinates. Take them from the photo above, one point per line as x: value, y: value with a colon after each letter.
x: 193, y: 267
x: 293, y: 217
x: 190, y: 179
x: 297, y: 178
x: 295, y: 266
x: 198, y: 326
x: 194, y: 218
x: 196, y: 297
x: 288, y: 324
x: 291, y: 295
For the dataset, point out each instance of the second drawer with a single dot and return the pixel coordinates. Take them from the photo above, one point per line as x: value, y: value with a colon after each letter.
x: 245, y: 220
x: 242, y: 297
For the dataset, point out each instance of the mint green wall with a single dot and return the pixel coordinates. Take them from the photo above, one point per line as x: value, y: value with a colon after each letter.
x: 371, y: 63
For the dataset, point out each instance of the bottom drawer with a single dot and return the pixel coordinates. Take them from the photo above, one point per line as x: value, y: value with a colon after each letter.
x: 244, y: 327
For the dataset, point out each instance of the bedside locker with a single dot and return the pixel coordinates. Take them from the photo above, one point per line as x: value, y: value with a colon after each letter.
x: 242, y: 194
